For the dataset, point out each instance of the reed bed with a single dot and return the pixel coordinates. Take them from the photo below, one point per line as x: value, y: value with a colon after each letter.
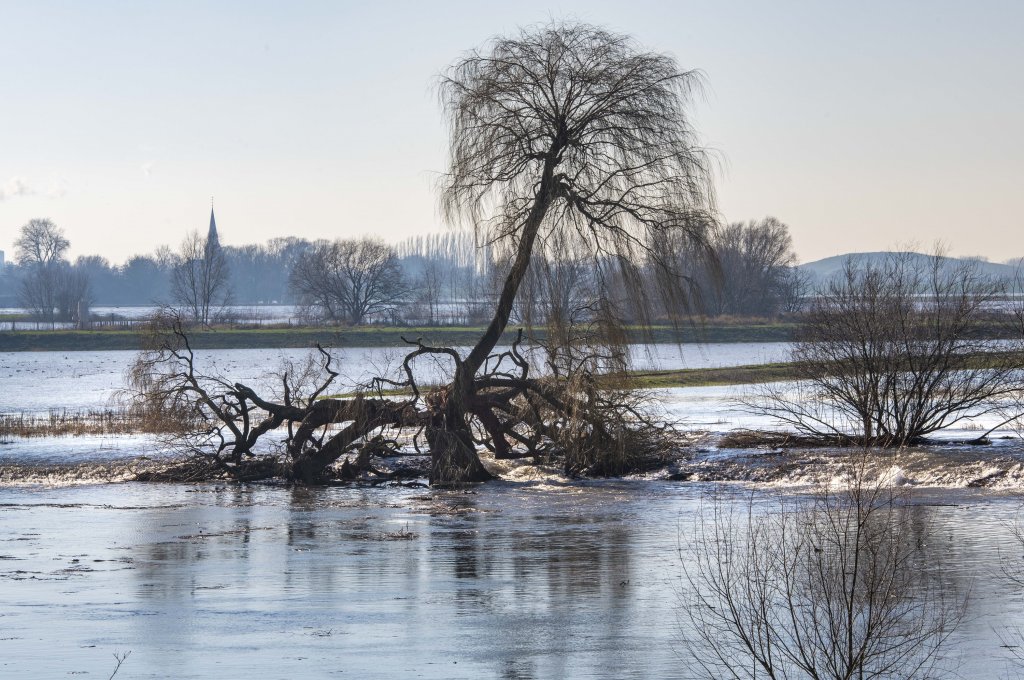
x: 69, y: 423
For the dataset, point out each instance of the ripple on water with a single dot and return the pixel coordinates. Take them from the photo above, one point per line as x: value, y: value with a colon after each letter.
x: 576, y: 580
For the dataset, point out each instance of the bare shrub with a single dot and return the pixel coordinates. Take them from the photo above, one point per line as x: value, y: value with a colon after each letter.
x: 834, y: 586
x: 891, y: 352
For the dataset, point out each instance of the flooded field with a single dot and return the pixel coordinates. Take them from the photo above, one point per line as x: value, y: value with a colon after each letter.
x: 511, y: 580
x: 536, y: 576
x: 39, y: 381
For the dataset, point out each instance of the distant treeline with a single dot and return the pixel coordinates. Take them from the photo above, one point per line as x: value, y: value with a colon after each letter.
x: 745, y: 269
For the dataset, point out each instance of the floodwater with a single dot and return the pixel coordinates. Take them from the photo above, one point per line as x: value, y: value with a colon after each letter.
x: 537, y: 576
x: 509, y: 580
x: 42, y: 381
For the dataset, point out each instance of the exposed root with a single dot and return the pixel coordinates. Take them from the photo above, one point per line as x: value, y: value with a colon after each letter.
x: 589, y: 427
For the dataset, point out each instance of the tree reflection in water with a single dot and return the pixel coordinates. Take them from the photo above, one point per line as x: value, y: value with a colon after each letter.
x: 837, y: 585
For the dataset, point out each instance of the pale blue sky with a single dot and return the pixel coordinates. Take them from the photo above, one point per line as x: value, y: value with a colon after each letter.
x: 862, y: 125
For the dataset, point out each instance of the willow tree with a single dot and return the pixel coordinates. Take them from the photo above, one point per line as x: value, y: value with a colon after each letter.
x: 568, y: 142
x: 570, y: 137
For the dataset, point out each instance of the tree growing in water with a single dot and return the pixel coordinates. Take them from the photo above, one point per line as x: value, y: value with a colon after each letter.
x: 836, y: 586
x: 569, y: 134
x: 567, y: 141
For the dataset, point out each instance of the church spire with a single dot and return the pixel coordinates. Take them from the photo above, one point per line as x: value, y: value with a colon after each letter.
x: 212, y: 240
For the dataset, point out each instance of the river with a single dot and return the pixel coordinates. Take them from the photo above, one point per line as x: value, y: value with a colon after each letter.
x: 537, y: 576
x: 533, y: 580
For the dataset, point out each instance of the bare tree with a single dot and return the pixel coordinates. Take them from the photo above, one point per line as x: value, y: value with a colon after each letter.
x: 568, y: 130
x: 832, y: 587
x: 428, y: 292
x: 199, y: 280
x: 561, y: 134
x: 558, y: 291
x: 41, y: 242
x: 51, y: 288
x: 350, y: 280
x: 795, y: 290
x: 754, y: 261
x: 40, y: 249
x: 74, y: 294
x: 889, y: 353
x: 39, y: 290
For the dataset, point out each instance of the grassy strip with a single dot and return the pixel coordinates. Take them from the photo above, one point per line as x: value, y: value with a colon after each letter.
x: 685, y: 377
x: 67, y: 340
x: 369, y: 336
x: 707, y: 377
x: 764, y: 373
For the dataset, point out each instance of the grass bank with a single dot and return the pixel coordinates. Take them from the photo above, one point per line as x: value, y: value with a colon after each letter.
x: 708, y: 377
x: 764, y: 373
x: 367, y: 336
x: 686, y: 377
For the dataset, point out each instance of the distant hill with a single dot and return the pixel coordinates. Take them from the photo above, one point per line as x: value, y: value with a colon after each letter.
x: 825, y: 269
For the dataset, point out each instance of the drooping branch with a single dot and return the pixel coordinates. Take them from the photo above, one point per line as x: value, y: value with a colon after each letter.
x: 568, y: 143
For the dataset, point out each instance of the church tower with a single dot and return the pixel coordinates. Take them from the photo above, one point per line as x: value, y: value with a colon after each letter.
x: 212, y: 240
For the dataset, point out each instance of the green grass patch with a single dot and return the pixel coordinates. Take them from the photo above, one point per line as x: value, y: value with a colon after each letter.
x: 707, y: 377
x: 686, y: 377
x: 765, y: 373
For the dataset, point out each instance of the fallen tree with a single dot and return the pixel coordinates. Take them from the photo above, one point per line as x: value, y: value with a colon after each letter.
x: 586, y: 424
x: 568, y: 142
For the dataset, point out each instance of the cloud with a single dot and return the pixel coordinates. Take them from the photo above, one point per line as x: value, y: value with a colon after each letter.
x: 58, y: 188
x: 15, y: 187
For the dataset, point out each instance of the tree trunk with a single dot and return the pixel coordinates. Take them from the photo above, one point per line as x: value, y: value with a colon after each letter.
x: 454, y: 459
x: 496, y: 328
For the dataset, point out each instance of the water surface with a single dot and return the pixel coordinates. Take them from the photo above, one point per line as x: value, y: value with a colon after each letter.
x: 505, y: 581
x: 41, y: 381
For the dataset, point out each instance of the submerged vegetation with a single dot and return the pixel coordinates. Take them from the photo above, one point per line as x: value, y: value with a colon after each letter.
x: 832, y: 586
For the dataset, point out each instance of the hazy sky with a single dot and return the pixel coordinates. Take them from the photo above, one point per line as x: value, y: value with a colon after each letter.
x: 863, y: 125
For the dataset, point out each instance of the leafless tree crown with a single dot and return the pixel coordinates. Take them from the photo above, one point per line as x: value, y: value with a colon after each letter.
x: 575, y: 137
x: 828, y: 588
x: 41, y: 242
x: 348, y: 280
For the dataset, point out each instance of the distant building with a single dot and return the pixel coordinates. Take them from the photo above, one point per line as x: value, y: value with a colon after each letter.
x: 1, y: 260
x: 212, y: 240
